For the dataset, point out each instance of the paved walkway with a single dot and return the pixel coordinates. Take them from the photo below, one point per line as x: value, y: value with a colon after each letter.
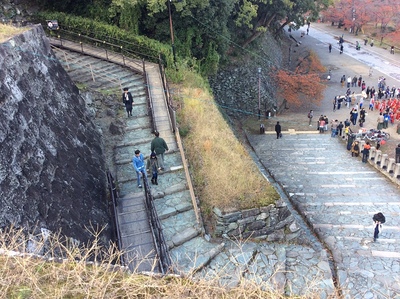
x: 350, y: 63
x: 337, y: 194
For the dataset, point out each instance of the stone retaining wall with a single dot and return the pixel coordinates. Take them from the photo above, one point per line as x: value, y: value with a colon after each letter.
x: 272, y: 223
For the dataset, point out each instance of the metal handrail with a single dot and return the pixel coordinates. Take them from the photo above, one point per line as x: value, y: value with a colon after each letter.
x: 107, y: 38
x: 123, y: 48
x: 114, y: 203
x: 94, y: 71
x: 156, y: 229
x: 155, y: 225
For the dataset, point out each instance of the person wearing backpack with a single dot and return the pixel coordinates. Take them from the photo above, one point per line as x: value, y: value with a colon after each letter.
x: 378, y: 219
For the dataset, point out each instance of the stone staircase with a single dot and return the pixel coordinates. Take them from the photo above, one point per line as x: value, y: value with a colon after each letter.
x: 338, y: 195
x: 282, y: 267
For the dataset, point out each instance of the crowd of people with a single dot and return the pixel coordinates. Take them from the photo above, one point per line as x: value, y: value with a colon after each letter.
x: 384, y: 99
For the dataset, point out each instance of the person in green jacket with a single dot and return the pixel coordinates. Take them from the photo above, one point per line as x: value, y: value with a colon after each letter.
x: 159, y: 146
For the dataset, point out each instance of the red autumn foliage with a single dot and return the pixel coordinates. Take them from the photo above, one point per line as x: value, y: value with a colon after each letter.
x: 303, y: 86
x: 383, y: 15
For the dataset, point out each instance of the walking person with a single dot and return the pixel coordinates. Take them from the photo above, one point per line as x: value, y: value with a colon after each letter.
x: 378, y: 219
x: 127, y: 99
x: 310, y: 116
x: 365, y: 152
x: 398, y: 153
x: 330, y: 48
x: 152, y: 165
x: 321, y: 124
x: 159, y: 146
x: 138, y: 164
x: 343, y: 80
x: 278, y: 130
x: 355, y: 149
x: 380, y: 121
x: 340, y: 129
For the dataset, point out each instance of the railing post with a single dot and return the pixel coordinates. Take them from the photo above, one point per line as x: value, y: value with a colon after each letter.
x: 378, y: 157
x: 384, y: 161
x: 91, y: 70
x: 391, y: 165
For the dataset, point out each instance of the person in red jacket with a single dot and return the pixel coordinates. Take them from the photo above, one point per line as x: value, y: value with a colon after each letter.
x: 365, y: 152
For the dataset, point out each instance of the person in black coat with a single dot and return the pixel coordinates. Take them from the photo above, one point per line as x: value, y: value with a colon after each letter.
x: 378, y: 219
x: 127, y: 99
x: 278, y: 130
x: 398, y: 153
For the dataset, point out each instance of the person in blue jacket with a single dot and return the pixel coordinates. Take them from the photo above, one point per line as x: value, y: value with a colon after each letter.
x: 138, y: 164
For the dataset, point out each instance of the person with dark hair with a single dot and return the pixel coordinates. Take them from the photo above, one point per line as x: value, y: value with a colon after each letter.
x: 365, y: 152
x: 138, y: 164
x: 152, y: 165
x: 159, y: 146
x: 398, y: 153
x: 310, y: 117
x: 278, y: 130
x: 378, y: 219
x: 127, y: 99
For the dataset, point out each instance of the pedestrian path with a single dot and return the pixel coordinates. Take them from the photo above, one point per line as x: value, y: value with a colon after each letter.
x: 289, y: 269
x: 338, y: 195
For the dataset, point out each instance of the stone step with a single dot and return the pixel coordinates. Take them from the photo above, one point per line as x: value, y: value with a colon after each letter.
x: 172, y: 204
x: 194, y: 254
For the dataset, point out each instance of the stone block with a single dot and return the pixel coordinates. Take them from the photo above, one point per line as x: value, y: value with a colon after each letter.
x: 378, y: 157
x: 256, y: 225
x: 372, y: 153
x: 185, y: 236
x: 396, y: 171
x: 384, y: 161
x: 250, y: 212
x: 267, y: 209
x: 391, y: 165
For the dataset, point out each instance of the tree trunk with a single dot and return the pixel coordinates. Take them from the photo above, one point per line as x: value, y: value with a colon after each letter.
x: 280, y: 28
x: 282, y: 107
x: 265, y: 23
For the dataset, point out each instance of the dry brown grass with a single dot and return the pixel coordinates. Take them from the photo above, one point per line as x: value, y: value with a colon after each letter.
x: 7, y: 31
x: 225, y: 175
x: 31, y: 276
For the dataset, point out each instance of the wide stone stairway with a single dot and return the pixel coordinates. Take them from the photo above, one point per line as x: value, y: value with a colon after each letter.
x: 338, y: 195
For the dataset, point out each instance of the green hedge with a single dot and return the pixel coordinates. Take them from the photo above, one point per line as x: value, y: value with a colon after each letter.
x: 111, y: 34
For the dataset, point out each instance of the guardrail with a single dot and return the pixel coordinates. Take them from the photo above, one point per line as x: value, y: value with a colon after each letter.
x: 156, y: 229
x: 95, y: 73
x: 123, y: 48
x: 114, y: 202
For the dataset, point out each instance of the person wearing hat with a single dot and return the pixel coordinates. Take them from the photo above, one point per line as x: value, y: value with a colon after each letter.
x: 138, y: 164
x: 127, y: 99
x: 152, y: 165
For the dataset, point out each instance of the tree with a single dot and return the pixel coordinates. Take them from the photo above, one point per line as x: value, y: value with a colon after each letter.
x: 261, y: 15
x: 303, y: 85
